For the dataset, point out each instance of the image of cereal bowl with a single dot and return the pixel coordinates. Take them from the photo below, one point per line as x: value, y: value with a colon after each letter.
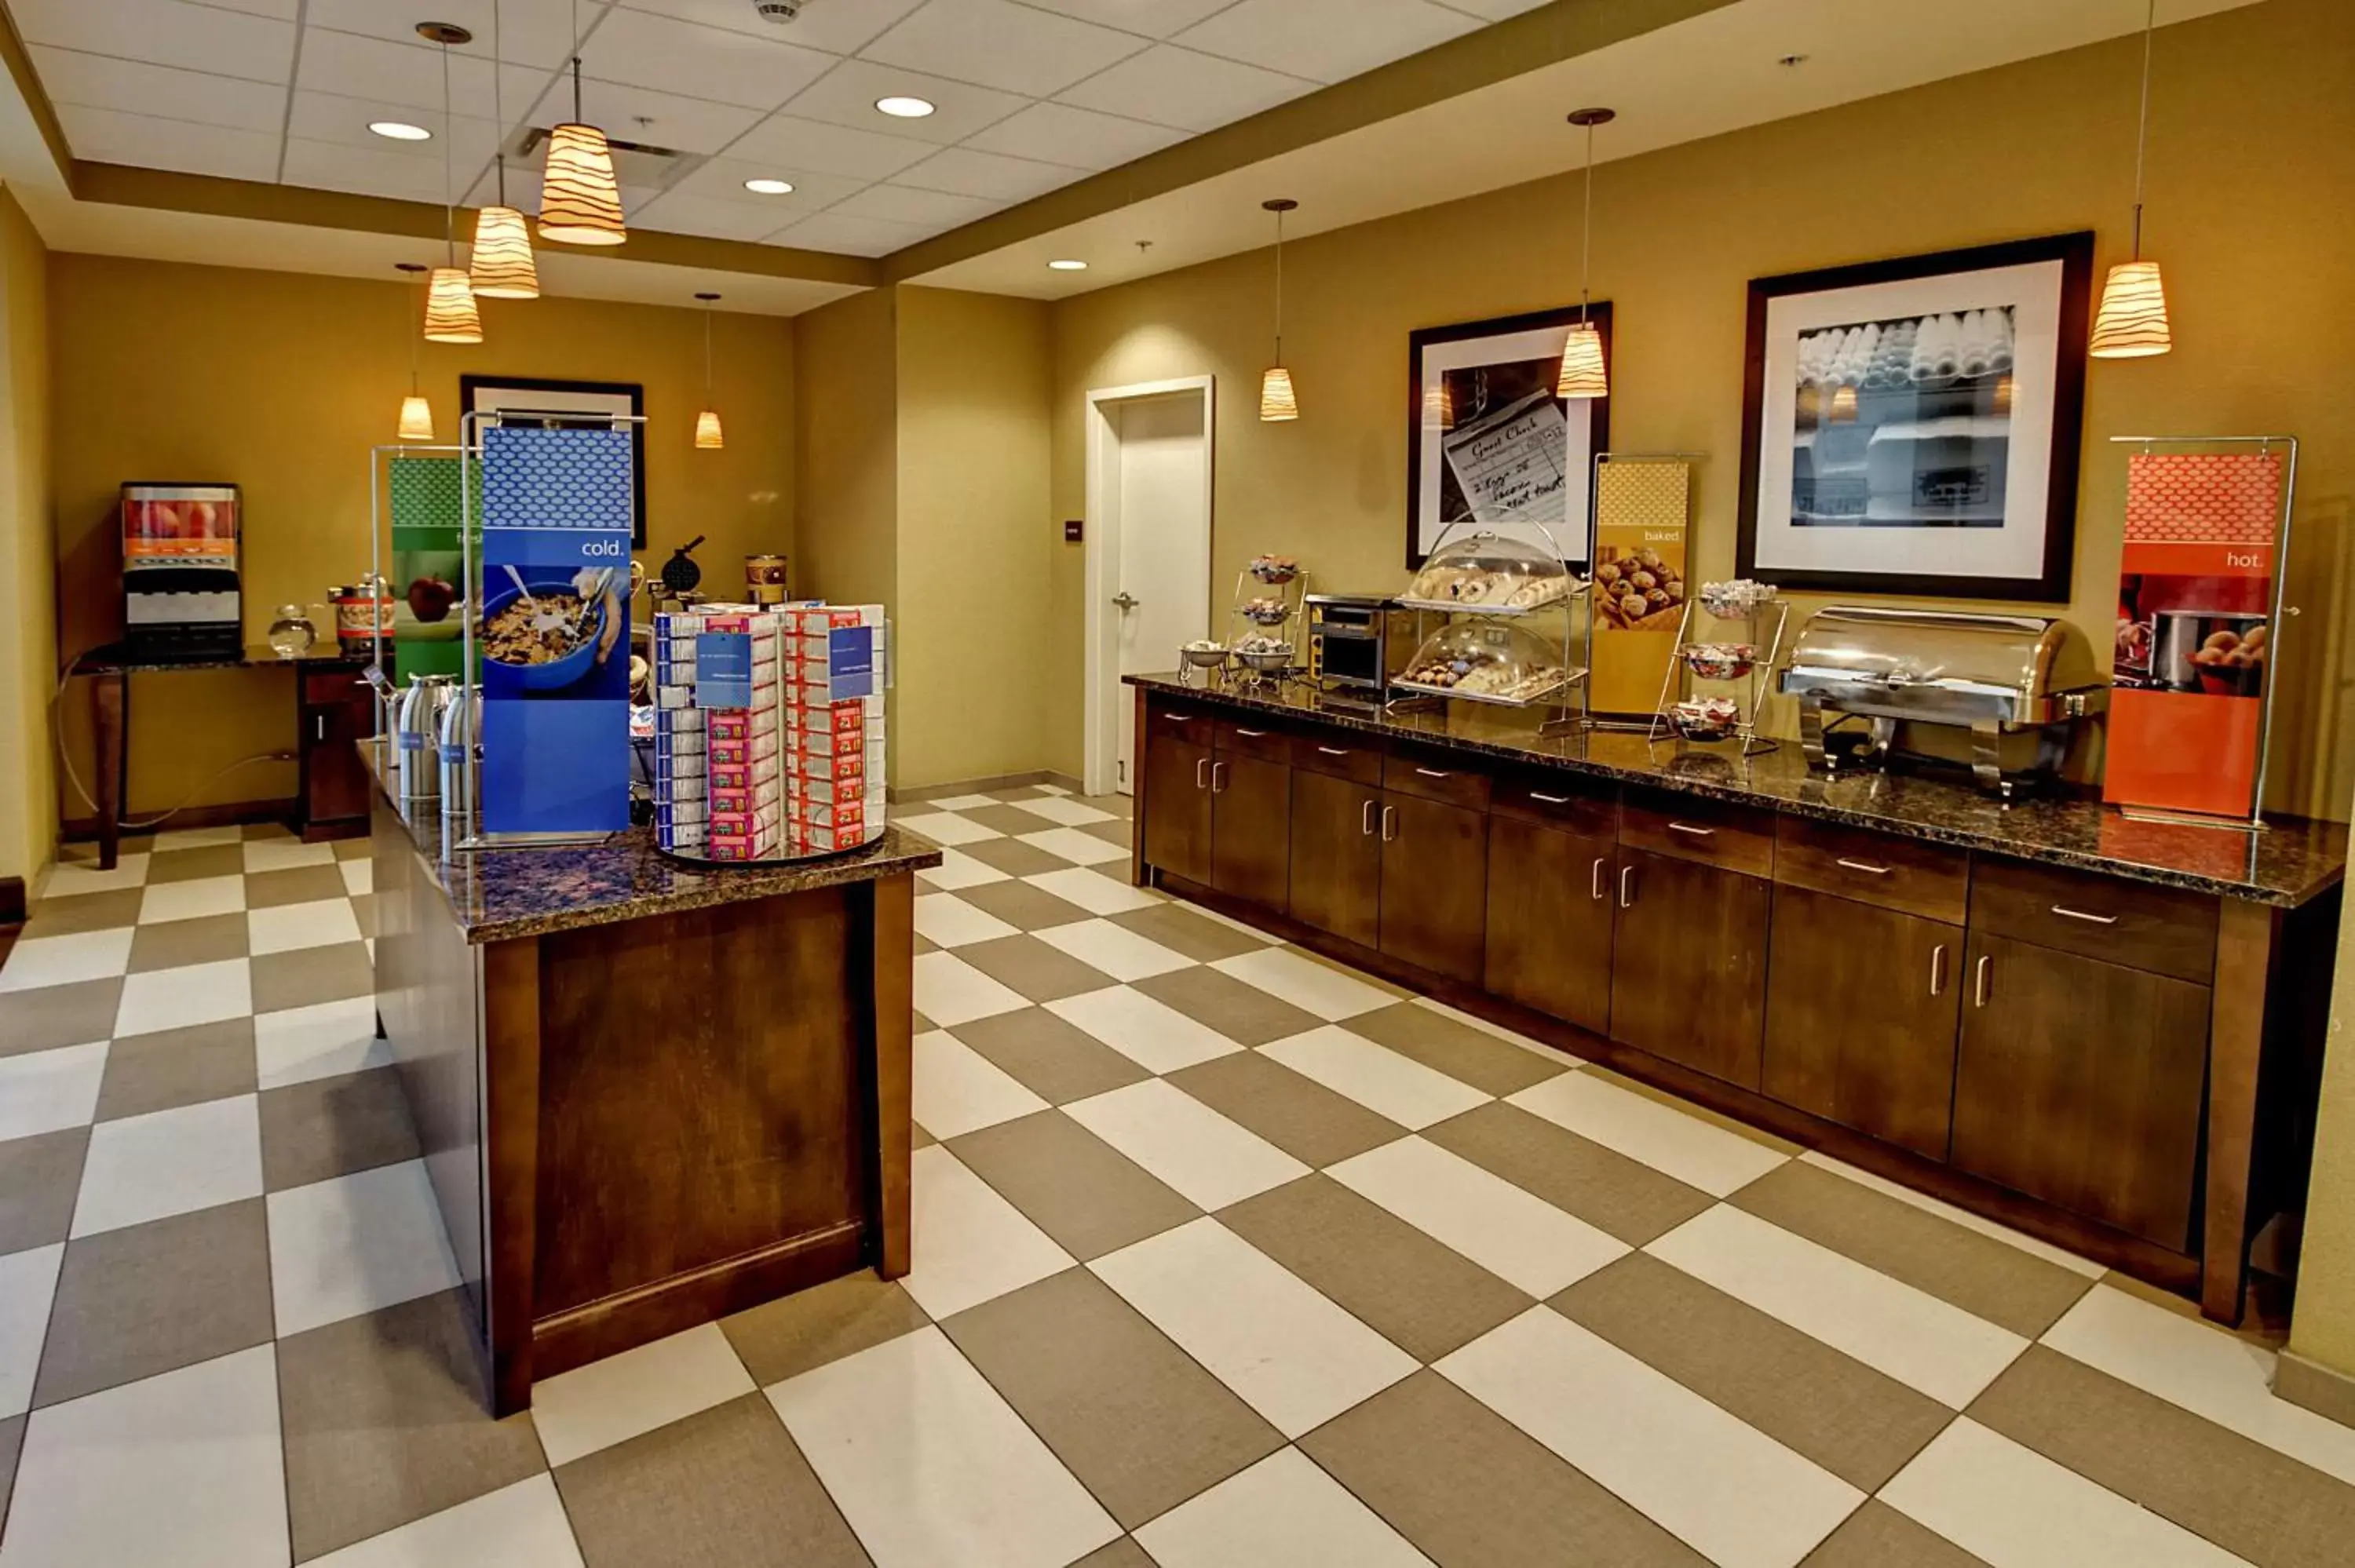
x: 517, y: 647
x: 1720, y: 660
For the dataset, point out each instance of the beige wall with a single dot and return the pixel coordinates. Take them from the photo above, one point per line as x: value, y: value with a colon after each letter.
x: 2252, y: 163
x: 27, y: 554
x: 281, y: 383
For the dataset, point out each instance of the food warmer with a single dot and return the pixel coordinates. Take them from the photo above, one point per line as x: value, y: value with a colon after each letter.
x: 2018, y: 684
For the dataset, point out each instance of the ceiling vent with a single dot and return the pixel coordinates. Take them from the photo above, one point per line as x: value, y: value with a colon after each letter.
x: 637, y: 165
x: 778, y: 11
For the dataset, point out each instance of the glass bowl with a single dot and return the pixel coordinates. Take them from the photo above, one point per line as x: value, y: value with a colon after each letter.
x: 1720, y: 661
x: 1490, y: 663
x: 1491, y: 574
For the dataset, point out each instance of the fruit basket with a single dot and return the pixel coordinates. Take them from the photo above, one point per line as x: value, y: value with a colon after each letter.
x: 1484, y: 664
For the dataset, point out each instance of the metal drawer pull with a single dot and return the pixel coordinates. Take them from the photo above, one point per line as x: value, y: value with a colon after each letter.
x: 1389, y: 824
x: 1938, y: 969
x: 323, y: 726
x: 1178, y: 718
x: 1979, y: 985
x: 1550, y: 799
x: 1689, y: 828
x: 1366, y: 821
x: 1202, y: 773
x: 1600, y: 894
x: 1864, y: 865
x: 1332, y: 751
x: 1626, y: 887
x: 2066, y: 913
x: 1217, y: 779
x: 1433, y: 773
x: 1251, y: 733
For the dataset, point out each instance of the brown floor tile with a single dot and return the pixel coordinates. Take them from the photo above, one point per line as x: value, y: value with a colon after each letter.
x: 356, y: 848
x: 83, y: 912
x: 924, y: 1025
x: 724, y: 1488
x: 385, y: 1422
x: 1022, y: 906
x: 1472, y: 1490
x: 84, y: 851
x: 1120, y: 831
x: 364, y: 912
x: 1604, y: 1188
x: 178, y: 1067
x: 146, y: 1298
x: 1122, y: 1553
x: 1057, y: 1061
x: 1977, y: 1273
x: 52, y: 1015
x: 1014, y: 857
x: 12, y: 1438
x: 1118, y: 805
x: 176, y: 944
x: 1182, y: 930
x: 1859, y: 1424
x: 1878, y: 1536
x: 1072, y: 1184
x: 1458, y: 1050
x: 1424, y: 1297
x: 1015, y: 793
x: 1011, y: 821
x: 1295, y: 1113
x: 188, y: 865
x: 785, y: 1338
x: 1031, y: 969
x: 312, y: 975
x: 1138, y: 1420
x: 2249, y: 1499
x: 1242, y: 1013
x: 332, y: 1127
x: 924, y: 944
x: 40, y: 1177
x: 297, y: 884
x: 918, y: 1137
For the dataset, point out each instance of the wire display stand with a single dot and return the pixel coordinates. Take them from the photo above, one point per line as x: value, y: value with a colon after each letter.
x: 1266, y: 603
x: 1484, y: 589
x: 1721, y: 669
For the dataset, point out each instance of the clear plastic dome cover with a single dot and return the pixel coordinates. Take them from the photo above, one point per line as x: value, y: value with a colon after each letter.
x: 1493, y: 661
x: 1492, y: 570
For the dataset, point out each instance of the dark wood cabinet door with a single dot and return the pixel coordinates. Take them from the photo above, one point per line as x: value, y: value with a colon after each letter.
x: 1861, y: 1017
x: 1336, y: 856
x: 2080, y: 1082
x: 1549, y: 927
x: 335, y: 781
x: 1251, y: 828
x: 1435, y: 884
x: 1688, y: 964
x: 1177, y: 807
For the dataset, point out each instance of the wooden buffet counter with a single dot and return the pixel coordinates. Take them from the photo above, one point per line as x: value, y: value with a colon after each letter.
x: 2102, y: 1032
x: 649, y: 1096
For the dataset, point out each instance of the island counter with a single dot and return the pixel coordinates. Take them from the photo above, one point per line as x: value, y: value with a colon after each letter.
x: 649, y: 1096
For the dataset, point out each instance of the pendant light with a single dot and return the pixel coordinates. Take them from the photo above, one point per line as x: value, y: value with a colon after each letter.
x: 1582, y: 372
x: 416, y: 413
x: 580, y: 200
x: 451, y: 315
x: 501, y: 266
x: 1276, y: 401
x: 706, y: 423
x: 2132, y: 323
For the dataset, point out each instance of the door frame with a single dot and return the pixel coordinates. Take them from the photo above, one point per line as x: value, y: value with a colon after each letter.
x: 1101, y: 571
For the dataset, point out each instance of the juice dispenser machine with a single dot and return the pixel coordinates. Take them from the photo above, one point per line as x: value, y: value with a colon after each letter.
x: 180, y: 592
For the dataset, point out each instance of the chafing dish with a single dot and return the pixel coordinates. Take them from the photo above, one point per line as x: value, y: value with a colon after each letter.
x: 2017, y: 684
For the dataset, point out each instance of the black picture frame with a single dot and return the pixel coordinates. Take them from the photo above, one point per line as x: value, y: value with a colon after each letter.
x: 2051, y: 584
x: 471, y: 391
x: 1580, y: 498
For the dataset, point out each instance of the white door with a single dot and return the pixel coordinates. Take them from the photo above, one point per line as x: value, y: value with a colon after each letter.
x: 1160, y: 512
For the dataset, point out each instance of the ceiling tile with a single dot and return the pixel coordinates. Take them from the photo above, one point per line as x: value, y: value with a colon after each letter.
x: 930, y: 209
x: 523, y: 189
x: 853, y: 235
x: 1178, y: 86
x: 109, y: 136
x: 1053, y: 132
x: 1493, y: 10
x: 676, y: 212
x: 162, y: 32
x: 672, y: 55
x: 794, y: 143
x: 329, y: 117
x: 994, y: 43
x: 649, y: 118
x: 722, y: 179
x: 338, y: 166
x: 1154, y: 18
x: 531, y: 32
x: 966, y: 172
x: 837, y: 27
x: 411, y: 74
x: 1330, y: 40
x: 283, y: 10
x: 847, y: 94
x: 95, y: 81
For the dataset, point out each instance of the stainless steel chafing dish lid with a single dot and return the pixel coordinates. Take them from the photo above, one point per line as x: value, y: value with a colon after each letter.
x: 1946, y: 666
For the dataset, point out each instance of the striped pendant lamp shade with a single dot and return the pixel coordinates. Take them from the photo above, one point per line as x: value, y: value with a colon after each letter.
x: 1276, y: 402
x: 416, y: 418
x: 579, y: 203
x: 451, y: 314
x: 2132, y: 323
x: 707, y: 432
x: 502, y: 265
x: 1582, y: 375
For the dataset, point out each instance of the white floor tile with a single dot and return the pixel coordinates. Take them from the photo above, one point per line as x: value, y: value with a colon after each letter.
x: 2013, y: 1508
x: 957, y: 1089
x: 1497, y: 1031
x: 1376, y: 1077
x: 1154, y: 1035
x: 970, y: 1245
x: 63, y: 961
x: 1064, y: 810
x: 198, y: 838
x: 519, y: 1526
x: 1241, y: 928
x: 947, y: 921
x: 949, y: 990
x: 169, y: 1162
x: 1080, y: 848
x: 1283, y: 1512
x: 1922, y: 1341
x: 1095, y: 892
x: 286, y: 855
x: 181, y: 1470
x: 67, y: 879
x: 191, y: 900
x: 321, y: 1042
x: 954, y: 803
x: 1051, y: 789
x: 174, y: 998
x: 946, y: 828
x: 28, y: 1283
x: 1723, y: 1487
x: 930, y: 1466
x: 1209, y: 1159
x: 1285, y: 1348
x: 1519, y: 1238
x: 1308, y: 985
x: 2204, y: 1370
x: 355, y: 1243
x: 359, y: 875
x: 956, y: 871
x: 1685, y: 1147
x: 614, y: 1400
x: 1115, y: 950
x: 50, y: 1089
x: 2058, y: 1257
x: 288, y: 927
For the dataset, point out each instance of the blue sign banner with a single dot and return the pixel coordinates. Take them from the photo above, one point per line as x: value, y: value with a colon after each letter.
x: 850, y: 661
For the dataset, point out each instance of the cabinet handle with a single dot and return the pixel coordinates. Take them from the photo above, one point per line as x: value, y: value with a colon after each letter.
x: 1689, y: 828
x: 1979, y: 984
x: 1626, y: 886
x: 1217, y: 779
x: 1938, y: 969
x: 1202, y: 773
x: 1550, y: 799
x: 1389, y: 824
x: 1251, y: 733
x: 1366, y: 821
x: 1433, y: 773
x: 1865, y: 866
x: 1332, y: 751
x: 2068, y: 914
x: 1178, y: 718
x: 321, y: 721
x: 1600, y: 893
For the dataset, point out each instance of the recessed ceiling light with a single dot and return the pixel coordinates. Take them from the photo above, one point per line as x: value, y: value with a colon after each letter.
x: 900, y: 108
x: 400, y: 130
x: 768, y: 187
x: 1067, y: 266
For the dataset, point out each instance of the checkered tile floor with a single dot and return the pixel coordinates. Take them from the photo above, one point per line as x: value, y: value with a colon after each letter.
x: 1225, y: 1257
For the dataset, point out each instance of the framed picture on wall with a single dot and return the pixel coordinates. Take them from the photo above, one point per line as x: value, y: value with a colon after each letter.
x: 1487, y: 439
x: 1912, y: 425
x: 591, y: 404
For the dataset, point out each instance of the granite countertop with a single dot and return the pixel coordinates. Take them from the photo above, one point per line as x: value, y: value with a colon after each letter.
x: 324, y: 654
x: 2285, y: 866
x: 496, y: 895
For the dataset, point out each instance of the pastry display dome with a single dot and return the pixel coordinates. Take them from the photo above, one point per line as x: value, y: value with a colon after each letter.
x: 1490, y: 572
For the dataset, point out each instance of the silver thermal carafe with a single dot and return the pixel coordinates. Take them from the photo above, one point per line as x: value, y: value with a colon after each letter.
x: 417, y: 734
x: 461, y: 740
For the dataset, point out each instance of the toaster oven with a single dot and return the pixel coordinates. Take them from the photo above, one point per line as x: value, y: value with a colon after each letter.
x: 1356, y: 642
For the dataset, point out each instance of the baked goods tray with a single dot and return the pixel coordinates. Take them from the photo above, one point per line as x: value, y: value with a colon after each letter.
x: 1569, y: 677
x: 1456, y: 607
